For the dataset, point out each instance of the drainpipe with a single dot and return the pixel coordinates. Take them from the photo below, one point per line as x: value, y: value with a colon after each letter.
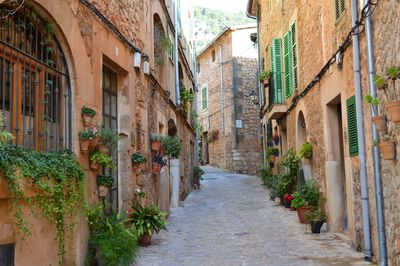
x: 375, y: 151
x: 363, y: 168
x: 222, y: 90
x: 196, y: 108
x: 176, y: 54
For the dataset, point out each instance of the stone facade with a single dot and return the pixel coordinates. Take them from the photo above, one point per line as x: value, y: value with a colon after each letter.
x: 321, y: 116
x: 94, y: 34
x: 237, y: 143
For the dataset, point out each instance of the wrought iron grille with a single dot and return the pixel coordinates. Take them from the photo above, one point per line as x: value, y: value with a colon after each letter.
x: 35, y: 96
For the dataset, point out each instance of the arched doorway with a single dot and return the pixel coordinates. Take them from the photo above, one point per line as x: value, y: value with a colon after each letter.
x: 306, y: 165
x: 174, y: 169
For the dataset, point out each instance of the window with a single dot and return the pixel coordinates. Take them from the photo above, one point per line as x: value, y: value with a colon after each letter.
x: 352, y: 126
x: 171, y: 47
x: 204, y: 97
x: 339, y: 8
x: 35, y: 97
x: 7, y: 254
x: 276, y: 68
x: 213, y: 55
x: 110, y: 115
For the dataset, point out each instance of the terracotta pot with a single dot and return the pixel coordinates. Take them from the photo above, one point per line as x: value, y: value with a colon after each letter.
x: 301, y: 211
x: 103, y: 191
x: 104, y: 149
x: 94, y: 166
x: 145, y: 240
x: 84, y: 143
x: 388, y: 150
x: 272, y: 158
x: 155, y: 145
x: 156, y: 168
x: 162, y: 152
x: 393, y: 109
x: 292, y: 208
x: 380, y: 123
x: 266, y: 82
x: 87, y: 120
x: 94, y: 142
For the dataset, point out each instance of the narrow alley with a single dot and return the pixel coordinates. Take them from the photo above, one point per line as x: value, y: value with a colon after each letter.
x: 230, y: 221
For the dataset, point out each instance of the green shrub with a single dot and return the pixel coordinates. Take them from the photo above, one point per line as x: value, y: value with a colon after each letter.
x: 198, y: 172
x: 172, y: 146
x: 298, y: 200
x: 147, y: 219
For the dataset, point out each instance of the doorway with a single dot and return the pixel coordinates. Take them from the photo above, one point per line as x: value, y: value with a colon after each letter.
x: 336, y: 181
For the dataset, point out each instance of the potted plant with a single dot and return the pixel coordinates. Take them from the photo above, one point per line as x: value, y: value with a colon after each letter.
x: 108, y: 139
x: 84, y: 140
x: 157, y: 164
x: 87, y: 115
x: 378, y: 120
x: 306, y: 199
x: 94, y: 142
x: 104, y: 183
x: 387, y: 148
x: 287, y: 200
x: 146, y: 221
x: 138, y: 159
x: 271, y: 153
x: 306, y: 151
x: 172, y: 146
x: 393, y: 107
x: 316, y: 218
x: 98, y: 159
x: 265, y: 76
x: 197, y: 176
x: 156, y: 140
x: 186, y: 98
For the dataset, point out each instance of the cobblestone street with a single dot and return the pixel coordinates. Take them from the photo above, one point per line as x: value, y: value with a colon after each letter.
x: 231, y: 221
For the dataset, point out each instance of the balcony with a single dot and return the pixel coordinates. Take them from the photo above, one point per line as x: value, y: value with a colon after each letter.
x: 276, y: 104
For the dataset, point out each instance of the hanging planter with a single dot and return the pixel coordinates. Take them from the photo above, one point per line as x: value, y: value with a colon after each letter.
x: 156, y: 168
x: 156, y: 140
x: 104, y: 149
x: 393, y: 108
x: 98, y: 159
x: 138, y: 160
x: 94, y: 166
x: 84, y: 140
x: 107, y: 138
x: 380, y: 123
x: 387, y: 148
x: 104, y: 183
x: 94, y: 142
x: 87, y: 116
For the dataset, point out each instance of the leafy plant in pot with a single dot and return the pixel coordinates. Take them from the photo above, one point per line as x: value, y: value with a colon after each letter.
x: 306, y: 151
x: 287, y: 200
x: 271, y: 153
x: 316, y: 218
x: 387, y: 148
x: 172, y: 146
x: 146, y: 221
x: 138, y: 158
x: 306, y: 199
x: 197, y: 176
x: 393, y: 106
x: 265, y: 76
x: 98, y: 159
x: 157, y: 164
x: 378, y: 120
x: 156, y: 140
x: 87, y: 115
x: 108, y: 139
x: 84, y: 140
x: 104, y: 183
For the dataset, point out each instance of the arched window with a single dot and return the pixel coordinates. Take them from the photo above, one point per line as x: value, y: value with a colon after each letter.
x: 35, y: 96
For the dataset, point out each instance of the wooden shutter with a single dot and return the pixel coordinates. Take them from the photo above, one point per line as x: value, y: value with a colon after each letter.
x: 204, y: 97
x: 288, y: 64
x: 352, y: 126
x: 339, y: 8
x: 294, y: 55
x: 277, y: 64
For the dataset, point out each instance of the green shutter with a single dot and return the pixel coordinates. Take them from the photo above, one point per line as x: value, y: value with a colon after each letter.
x: 288, y: 64
x: 277, y: 65
x: 339, y: 8
x: 294, y: 56
x: 352, y: 126
x: 204, y: 97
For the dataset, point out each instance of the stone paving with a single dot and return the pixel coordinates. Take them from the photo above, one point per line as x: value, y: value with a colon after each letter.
x: 230, y: 221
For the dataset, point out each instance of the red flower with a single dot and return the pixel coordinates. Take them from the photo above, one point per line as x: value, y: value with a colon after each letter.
x: 288, y: 197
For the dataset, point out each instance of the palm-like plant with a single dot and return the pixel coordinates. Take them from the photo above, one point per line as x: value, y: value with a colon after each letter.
x: 147, y: 220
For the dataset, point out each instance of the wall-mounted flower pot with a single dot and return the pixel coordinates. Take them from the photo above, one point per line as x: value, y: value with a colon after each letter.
x: 316, y: 227
x: 87, y: 120
x: 155, y: 145
x: 388, y: 150
x: 94, y: 166
x: 272, y: 158
x: 103, y: 191
x: 380, y: 123
x: 156, y: 167
x: 94, y: 142
x: 145, y: 240
x: 301, y: 211
x: 84, y: 144
x: 104, y: 149
x: 393, y: 108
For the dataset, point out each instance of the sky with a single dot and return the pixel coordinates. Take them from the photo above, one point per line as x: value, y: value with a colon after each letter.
x: 225, y: 5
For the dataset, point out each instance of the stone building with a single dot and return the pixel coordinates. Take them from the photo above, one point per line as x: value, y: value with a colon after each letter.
x: 117, y: 57
x: 312, y: 98
x: 227, y: 100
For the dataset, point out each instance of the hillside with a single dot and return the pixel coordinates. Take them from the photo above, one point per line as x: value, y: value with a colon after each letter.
x: 209, y: 22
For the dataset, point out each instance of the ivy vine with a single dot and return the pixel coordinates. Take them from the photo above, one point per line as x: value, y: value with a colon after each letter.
x: 57, y: 179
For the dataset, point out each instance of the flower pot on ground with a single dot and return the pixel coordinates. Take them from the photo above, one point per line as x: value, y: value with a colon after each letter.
x: 156, y: 140
x: 145, y: 240
x: 316, y: 227
x: 84, y: 140
x: 287, y: 200
x: 197, y: 176
x: 306, y: 199
x: 87, y: 115
x: 380, y: 123
x: 104, y: 183
x: 393, y: 108
x: 316, y: 219
x: 302, y: 211
x: 387, y: 148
